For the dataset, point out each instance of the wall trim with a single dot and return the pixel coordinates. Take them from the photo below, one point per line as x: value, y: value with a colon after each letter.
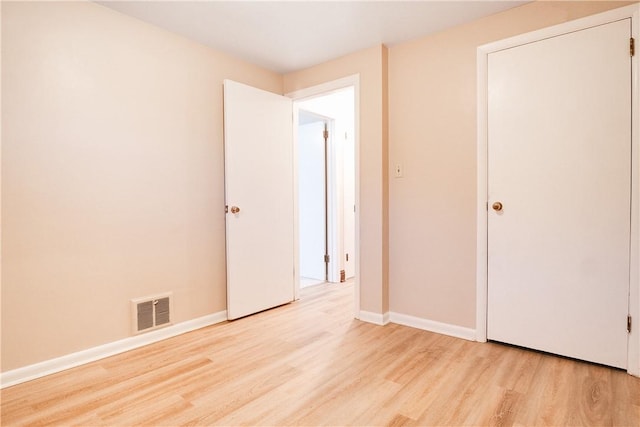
x: 633, y: 12
x: 375, y: 318
x: 433, y: 326
x: 418, y: 323
x: 324, y: 88
x: 82, y: 357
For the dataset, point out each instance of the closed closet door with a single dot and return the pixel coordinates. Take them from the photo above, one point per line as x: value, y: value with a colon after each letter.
x: 559, y: 164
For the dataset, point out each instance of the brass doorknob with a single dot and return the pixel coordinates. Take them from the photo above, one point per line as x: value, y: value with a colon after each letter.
x: 235, y: 209
x: 497, y: 206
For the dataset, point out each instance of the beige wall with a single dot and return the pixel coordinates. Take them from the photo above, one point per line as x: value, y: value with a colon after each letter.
x: 112, y: 175
x: 371, y: 65
x: 432, y: 85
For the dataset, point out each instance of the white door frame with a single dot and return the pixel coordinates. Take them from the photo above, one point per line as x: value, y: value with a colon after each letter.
x: 312, y: 92
x: 633, y: 12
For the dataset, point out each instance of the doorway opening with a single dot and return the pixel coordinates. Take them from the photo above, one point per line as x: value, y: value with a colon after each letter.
x: 325, y: 144
x: 313, y: 196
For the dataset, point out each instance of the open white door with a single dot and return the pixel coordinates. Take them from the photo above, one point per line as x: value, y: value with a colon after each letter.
x: 559, y: 126
x: 312, y: 200
x: 258, y: 134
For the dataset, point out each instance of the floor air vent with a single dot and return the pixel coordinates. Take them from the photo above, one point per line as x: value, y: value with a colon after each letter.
x: 151, y: 312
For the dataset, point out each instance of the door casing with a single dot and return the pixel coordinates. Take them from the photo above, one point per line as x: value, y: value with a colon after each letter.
x: 633, y: 12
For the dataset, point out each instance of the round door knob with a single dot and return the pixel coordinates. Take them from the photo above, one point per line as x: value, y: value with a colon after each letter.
x: 497, y: 206
x: 235, y: 209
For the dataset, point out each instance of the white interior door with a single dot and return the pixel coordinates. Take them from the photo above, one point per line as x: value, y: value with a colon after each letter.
x: 559, y: 132
x: 258, y: 128
x: 311, y: 198
x: 349, y: 185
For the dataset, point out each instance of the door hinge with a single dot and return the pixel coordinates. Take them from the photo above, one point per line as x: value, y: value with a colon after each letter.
x: 629, y: 324
x: 326, y: 258
x: 632, y: 46
x: 325, y: 134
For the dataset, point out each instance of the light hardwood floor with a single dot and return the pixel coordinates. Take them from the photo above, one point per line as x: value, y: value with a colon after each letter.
x: 310, y: 363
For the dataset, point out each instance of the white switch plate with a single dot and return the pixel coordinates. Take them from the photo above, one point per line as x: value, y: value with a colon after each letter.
x: 398, y: 171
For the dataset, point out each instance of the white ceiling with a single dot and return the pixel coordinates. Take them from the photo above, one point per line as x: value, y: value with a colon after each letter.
x: 290, y: 35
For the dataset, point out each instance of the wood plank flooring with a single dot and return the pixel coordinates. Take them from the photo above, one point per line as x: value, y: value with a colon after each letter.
x: 310, y: 363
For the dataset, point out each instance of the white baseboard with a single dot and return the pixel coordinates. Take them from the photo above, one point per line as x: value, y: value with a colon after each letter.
x: 72, y: 360
x: 433, y: 326
x: 375, y: 318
